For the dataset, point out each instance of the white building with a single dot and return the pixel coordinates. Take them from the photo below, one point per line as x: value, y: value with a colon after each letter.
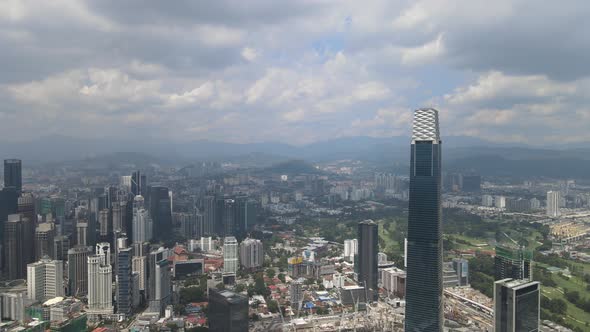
x: 381, y: 258
x: 553, y: 198
x: 142, y: 222
x: 139, y: 266
x: 500, y: 202
x: 207, y: 244
x: 125, y: 182
x: 251, y: 253
x: 487, y: 200
x: 45, y: 279
x: 350, y: 249
x: 230, y: 255
x: 393, y: 281
x: 100, y: 285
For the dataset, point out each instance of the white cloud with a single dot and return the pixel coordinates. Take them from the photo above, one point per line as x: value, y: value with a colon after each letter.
x: 249, y: 54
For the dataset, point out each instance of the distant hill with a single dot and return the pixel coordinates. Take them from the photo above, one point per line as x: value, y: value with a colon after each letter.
x: 292, y: 167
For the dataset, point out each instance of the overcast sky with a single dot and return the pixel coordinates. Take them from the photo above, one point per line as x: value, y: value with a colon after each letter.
x: 294, y: 71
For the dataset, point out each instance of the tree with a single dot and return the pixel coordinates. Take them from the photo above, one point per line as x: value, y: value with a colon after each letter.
x: 240, y: 288
x: 270, y: 272
x: 220, y: 286
x: 273, y: 306
x: 281, y: 277
x: 191, y: 294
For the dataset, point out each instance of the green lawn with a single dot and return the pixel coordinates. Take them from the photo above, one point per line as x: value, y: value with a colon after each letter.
x: 575, y: 315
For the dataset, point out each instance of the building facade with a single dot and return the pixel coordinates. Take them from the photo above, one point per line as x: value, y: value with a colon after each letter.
x: 516, y: 305
x: 424, y: 306
x: 251, y: 253
x: 367, y: 262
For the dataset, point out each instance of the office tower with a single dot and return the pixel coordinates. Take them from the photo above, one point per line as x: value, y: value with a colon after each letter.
x: 553, y: 198
x: 15, y: 265
x: 160, y: 212
x: 245, y: 214
x: 367, y: 266
x: 103, y: 224
x: 461, y: 267
x: 209, y: 215
x: 230, y: 256
x: 125, y: 182
x: 78, y: 271
x: 350, y: 249
x: 26, y: 207
x: 228, y: 311
x: 187, y: 222
x: 100, y: 285
x: 251, y: 253
x: 424, y: 307
x: 13, y: 175
x: 61, y: 245
x: 159, y: 291
x: 516, y: 305
x: 82, y: 233
x: 226, y: 217
x: 514, y: 263
x: 44, y: 235
x: 142, y: 222
x: 137, y: 185
x: 124, y: 280
x: 8, y: 206
x: 118, y: 216
x: 45, y: 280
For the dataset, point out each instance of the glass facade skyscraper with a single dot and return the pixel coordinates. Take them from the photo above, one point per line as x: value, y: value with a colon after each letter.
x: 516, y: 305
x: 424, y: 297
x: 13, y: 174
x: 368, y: 241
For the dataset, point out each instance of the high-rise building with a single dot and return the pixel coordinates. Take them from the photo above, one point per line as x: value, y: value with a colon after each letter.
x: 230, y: 256
x: 159, y: 290
x: 26, y: 207
x: 228, y: 311
x: 45, y: 279
x: 296, y: 294
x: 44, y: 235
x: 350, y: 249
x: 366, y: 262
x: 118, y: 216
x: 8, y: 206
x: 100, y: 283
x: 251, y: 253
x: 553, y: 200
x: 500, y: 202
x: 142, y: 222
x: 516, y: 305
x: 137, y: 184
x: 78, y: 271
x: 514, y: 263
x: 160, y: 212
x: 15, y: 264
x: 424, y: 306
x: 61, y: 245
x: 82, y: 233
x: 461, y: 267
x: 103, y: 224
x: 13, y: 177
x: 209, y: 215
x: 124, y: 280
x: 487, y: 200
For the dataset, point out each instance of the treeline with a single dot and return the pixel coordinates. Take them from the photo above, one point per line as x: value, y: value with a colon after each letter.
x: 575, y: 298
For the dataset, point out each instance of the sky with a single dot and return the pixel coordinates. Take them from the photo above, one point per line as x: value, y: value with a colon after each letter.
x: 294, y: 71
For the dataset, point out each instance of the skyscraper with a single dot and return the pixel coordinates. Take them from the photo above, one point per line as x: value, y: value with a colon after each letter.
x: 424, y: 300
x: 553, y: 198
x: 124, y: 280
x: 13, y: 174
x: 159, y: 290
x: 228, y: 311
x: 78, y: 271
x: 516, y: 305
x: 367, y: 267
x: 160, y: 212
x: 44, y: 235
x: 100, y: 283
x: 142, y: 222
x: 350, y: 249
x: 209, y: 215
x: 15, y: 264
x: 45, y: 279
x: 251, y: 253
x: 137, y: 185
x: 514, y: 263
x: 230, y: 256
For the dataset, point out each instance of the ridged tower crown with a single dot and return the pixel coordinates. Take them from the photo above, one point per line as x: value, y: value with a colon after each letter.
x: 425, y: 126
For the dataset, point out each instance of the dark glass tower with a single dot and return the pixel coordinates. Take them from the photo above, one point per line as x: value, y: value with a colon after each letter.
x: 160, y: 212
x: 424, y: 298
x: 516, y: 305
x: 228, y: 311
x: 368, y: 241
x: 13, y: 174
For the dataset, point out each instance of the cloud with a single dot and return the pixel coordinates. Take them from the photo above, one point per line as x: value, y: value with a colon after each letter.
x: 297, y: 71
